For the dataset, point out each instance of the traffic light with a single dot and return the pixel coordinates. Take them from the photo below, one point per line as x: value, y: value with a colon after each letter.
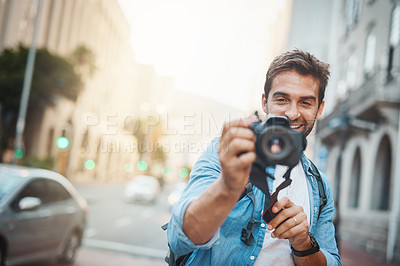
x: 183, y: 172
x: 18, y: 153
x: 142, y: 165
x: 62, y: 142
x: 90, y: 164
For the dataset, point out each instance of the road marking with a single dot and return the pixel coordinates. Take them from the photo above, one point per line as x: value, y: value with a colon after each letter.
x: 125, y: 248
x: 90, y: 232
x: 123, y: 221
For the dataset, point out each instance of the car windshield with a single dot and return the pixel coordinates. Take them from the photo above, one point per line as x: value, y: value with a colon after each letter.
x: 7, y: 184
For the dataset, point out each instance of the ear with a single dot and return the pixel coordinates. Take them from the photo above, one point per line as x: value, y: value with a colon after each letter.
x: 264, y: 103
x: 320, y: 109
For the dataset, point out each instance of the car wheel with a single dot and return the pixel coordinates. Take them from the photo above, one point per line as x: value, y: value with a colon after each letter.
x: 70, y: 248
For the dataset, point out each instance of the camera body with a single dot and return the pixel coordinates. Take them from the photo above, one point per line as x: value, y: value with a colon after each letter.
x: 277, y: 143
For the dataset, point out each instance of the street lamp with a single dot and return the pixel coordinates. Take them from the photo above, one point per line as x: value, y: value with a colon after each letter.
x: 18, y: 147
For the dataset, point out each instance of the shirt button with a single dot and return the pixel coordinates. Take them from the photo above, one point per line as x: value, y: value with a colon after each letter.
x: 252, y: 257
x: 262, y: 225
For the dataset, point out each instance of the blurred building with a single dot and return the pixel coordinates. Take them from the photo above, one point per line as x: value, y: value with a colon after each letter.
x: 94, y: 123
x: 315, y: 34
x: 359, y: 135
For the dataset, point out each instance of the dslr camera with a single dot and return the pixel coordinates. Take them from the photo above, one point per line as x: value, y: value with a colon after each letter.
x: 277, y: 143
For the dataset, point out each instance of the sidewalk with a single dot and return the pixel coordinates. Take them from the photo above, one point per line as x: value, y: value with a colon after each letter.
x: 350, y: 256
x: 96, y: 257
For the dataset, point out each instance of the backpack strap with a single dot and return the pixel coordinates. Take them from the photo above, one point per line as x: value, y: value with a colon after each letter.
x: 323, y: 200
x: 171, y: 258
x: 247, y: 191
x: 246, y: 235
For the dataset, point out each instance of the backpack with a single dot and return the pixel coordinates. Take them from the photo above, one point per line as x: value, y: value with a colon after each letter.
x: 174, y: 260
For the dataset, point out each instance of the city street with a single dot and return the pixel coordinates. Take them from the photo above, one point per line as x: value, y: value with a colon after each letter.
x: 121, y: 233
x: 133, y: 228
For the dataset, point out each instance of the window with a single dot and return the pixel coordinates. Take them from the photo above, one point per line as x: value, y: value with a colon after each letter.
x: 56, y: 192
x: 48, y: 191
x: 382, y: 176
x: 393, y: 43
x: 35, y: 188
x: 351, y: 76
x: 369, y: 58
x: 352, y: 13
x: 355, y: 180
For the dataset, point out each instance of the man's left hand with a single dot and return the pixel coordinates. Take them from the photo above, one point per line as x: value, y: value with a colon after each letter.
x: 291, y: 223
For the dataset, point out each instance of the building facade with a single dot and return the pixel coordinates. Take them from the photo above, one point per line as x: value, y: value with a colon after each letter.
x: 94, y: 123
x: 358, y: 139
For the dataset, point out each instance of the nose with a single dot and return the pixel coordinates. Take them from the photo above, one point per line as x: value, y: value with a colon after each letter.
x: 292, y: 112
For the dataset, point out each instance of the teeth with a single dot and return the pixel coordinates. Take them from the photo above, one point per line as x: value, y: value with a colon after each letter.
x: 295, y: 127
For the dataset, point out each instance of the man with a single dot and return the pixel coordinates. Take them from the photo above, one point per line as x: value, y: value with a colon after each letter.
x: 209, y: 218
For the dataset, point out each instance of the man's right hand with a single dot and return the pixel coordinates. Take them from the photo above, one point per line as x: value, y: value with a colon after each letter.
x: 207, y: 213
x: 237, y: 153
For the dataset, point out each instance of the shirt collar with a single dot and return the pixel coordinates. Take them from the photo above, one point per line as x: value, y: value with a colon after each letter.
x: 306, y: 164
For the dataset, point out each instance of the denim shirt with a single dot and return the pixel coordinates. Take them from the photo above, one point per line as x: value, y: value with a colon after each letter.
x: 225, y: 247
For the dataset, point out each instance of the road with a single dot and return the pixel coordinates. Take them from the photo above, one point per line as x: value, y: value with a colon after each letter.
x: 120, y: 234
x: 131, y: 228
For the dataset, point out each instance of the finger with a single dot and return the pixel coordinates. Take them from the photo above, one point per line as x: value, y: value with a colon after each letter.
x: 286, y: 213
x: 281, y: 204
x: 238, y: 145
x: 248, y: 158
x: 293, y: 231
x: 239, y: 132
x: 290, y: 222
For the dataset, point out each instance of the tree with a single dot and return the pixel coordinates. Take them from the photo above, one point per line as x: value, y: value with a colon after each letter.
x: 84, y: 60
x: 53, y: 77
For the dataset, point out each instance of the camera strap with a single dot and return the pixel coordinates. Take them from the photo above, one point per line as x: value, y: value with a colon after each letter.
x: 258, y: 179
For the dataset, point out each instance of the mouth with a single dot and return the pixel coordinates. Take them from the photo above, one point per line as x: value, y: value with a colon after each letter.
x: 296, y: 127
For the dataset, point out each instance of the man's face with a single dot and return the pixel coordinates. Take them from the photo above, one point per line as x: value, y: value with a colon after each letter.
x: 296, y: 97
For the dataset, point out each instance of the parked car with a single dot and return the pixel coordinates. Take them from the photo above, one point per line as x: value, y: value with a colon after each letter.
x: 42, y: 217
x: 142, y: 188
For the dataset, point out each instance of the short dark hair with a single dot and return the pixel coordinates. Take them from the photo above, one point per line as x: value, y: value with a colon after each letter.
x: 303, y: 63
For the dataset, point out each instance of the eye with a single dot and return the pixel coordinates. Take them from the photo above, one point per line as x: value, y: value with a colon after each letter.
x: 306, y: 103
x: 280, y: 100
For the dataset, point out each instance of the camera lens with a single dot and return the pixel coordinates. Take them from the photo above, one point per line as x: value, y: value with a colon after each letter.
x: 275, y: 144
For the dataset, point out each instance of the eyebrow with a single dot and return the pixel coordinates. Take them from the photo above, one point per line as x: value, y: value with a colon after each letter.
x: 286, y: 95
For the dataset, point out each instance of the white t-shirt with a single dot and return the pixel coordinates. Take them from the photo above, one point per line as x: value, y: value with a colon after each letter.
x: 277, y: 251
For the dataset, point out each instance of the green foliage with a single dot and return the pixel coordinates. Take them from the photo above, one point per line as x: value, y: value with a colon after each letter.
x: 53, y: 77
x: 84, y: 59
x: 45, y: 163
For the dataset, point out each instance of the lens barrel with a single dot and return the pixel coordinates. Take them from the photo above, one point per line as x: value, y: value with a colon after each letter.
x: 277, y: 143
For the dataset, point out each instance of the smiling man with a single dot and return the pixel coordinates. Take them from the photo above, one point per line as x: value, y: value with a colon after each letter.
x: 217, y: 223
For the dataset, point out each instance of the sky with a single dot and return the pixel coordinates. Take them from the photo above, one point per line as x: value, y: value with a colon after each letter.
x: 213, y: 48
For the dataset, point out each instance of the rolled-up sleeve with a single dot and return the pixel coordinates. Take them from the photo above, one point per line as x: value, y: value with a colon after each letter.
x: 206, y: 170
